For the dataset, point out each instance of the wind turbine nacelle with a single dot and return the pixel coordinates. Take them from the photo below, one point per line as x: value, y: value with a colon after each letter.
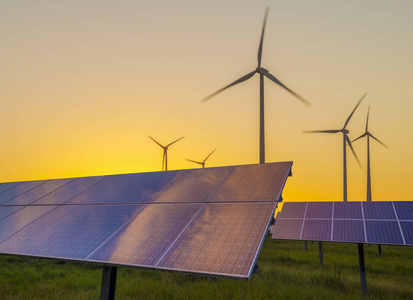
x: 262, y: 71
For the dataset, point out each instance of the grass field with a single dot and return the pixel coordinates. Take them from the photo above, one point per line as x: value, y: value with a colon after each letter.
x: 286, y: 271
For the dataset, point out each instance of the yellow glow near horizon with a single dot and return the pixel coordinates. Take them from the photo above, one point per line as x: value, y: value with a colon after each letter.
x: 85, y: 83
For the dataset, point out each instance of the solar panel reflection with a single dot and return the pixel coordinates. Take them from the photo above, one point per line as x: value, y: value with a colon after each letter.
x: 222, y: 240
x: 147, y: 236
x: 248, y: 183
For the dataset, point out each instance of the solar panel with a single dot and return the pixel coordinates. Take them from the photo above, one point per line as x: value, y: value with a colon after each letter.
x: 7, y: 185
x: 222, y: 240
x: 188, y: 221
x: 293, y: 210
x: 319, y: 210
x: 194, y: 186
x: 350, y: 222
x: 404, y: 210
x: 18, y: 189
x: 316, y: 230
x: 378, y: 210
x: 288, y: 229
x: 248, y: 183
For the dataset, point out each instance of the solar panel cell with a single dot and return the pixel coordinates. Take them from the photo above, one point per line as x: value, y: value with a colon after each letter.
x: 87, y: 234
x: 378, y: 211
x: 351, y: 231
x: 43, y: 229
x: 316, y: 230
x: 287, y: 229
x: 148, y: 235
x: 19, y: 190
x: 38, y: 192
x: 404, y: 209
x: 21, y: 218
x: 319, y: 210
x: 383, y: 232
x: 293, y: 210
x: 194, y: 185
x: 223, y: 239
x: 347, y: 210
x: 248, y: 183
x: 407, y: 229
x: 7, y: 185
x: 8, y: 210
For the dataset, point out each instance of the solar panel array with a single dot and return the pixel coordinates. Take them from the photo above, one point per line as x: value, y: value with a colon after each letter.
x: 389, y: 222
x: 209, y: 221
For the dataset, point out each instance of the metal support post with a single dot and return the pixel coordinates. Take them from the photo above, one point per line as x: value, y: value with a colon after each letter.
x: 107, y: 290
x: 362, y: 269
x: 320, y: 252
x: 379, y: 246
x: 305, y: 245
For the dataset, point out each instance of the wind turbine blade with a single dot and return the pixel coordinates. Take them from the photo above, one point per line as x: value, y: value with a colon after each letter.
x: 174, y: 141
x: 321, y: 131
x: 378, y: 140
x: 155, y: 141
x: 262, y: 36
x: 243, y: 78
x: 367, y: 122
x: 197, y: 162
x: 363, y: 135
x: 349, y: 117
x: 272, y: 77
x: 209, y: 154
x: 351, y: 147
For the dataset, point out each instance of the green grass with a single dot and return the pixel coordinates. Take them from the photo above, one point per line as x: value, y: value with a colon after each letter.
x: 286, y: 271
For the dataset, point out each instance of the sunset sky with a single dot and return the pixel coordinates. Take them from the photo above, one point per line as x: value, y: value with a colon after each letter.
x: 83, y: 84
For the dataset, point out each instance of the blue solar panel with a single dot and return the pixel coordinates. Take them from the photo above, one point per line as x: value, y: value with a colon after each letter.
x: 248, y: 183
x: 18, y: 190
x: 147, y: 236
x: 404, y: 209
x: 407, y: 229
x: 102, y: 191
x: 316, y: 230
x: 319, y: 210
x: 287, y: 229
x: 347, y: 210
x: 383, y: 232
x: 38, y: 192
x: 145, y: 187
x: 8, y: 210
x: 43, y: 229
x: 351, y: 231
x: 223, y: 239
x: 86, y: 235
x: 69, y: 191
x: 21, y: 218
x: 194, y: 186
x: 378, y: 210
x: 7, y: 185
x: 293, y: 210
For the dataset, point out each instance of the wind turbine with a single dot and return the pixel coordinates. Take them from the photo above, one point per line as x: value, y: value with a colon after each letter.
x: 165, y: 152
x: 202, y: 163
x: 346, y: 139
x: 368, y: 135
x: 263, y: 73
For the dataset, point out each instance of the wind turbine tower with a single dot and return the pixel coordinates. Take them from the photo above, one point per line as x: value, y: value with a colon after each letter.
x: 346, y: 141
x: 263, y: 73
x: 369, y: 135
x: 165, y: 152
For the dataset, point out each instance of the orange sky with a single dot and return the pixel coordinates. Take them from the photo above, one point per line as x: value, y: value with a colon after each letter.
x: 84, y: 83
